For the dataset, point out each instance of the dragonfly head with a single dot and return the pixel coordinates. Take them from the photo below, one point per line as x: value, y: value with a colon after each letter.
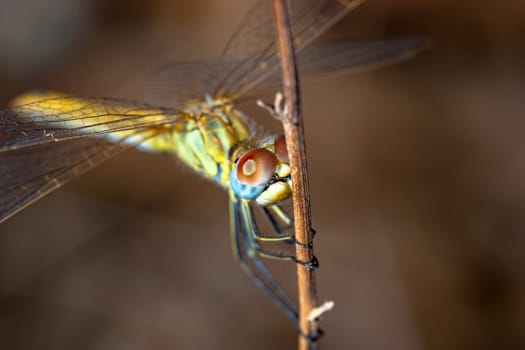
x: 262, y: 173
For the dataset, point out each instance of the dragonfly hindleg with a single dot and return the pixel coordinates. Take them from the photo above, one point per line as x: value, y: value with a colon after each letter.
x: 243, y: 250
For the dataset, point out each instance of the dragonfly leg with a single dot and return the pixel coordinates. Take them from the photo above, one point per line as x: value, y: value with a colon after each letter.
x: 246, y: 248
x: 278, y: 236
x: 285, y: 218
x: 313, y: 264
x: 255, y: 236
x: 252, y: 245
x: 252, y: 231
x: 272, y: 220
x: 282, y: 214
x: 245, y: 254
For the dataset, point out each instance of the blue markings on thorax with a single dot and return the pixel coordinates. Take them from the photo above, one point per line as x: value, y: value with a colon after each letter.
x: 219, y: 173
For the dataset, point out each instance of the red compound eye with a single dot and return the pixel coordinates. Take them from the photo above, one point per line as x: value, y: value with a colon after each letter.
x: 256, y: 167
x: 280, y: 149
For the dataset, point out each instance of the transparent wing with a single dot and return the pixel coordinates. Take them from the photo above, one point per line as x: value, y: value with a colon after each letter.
x: 44, y: 117
x: 176, y: 84
x: 254, y: 42
x: 250, y: 56
x: 46, y: 142
x: 353, y: 57
x: 349, y: 57
x: 255, y: 33
x: 27, y: 174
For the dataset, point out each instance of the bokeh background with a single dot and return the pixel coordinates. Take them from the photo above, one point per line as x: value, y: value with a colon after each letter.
x: 417, y: 185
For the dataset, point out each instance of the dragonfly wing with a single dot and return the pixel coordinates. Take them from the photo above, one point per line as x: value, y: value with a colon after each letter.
x: 45, y: 142
x: 358, y: 56
x: 348, y: 57
x: 30, y: 173
x: 256, y: 33
x: 44, y: 117
x: 254, y: 43
x: 177, y: 84
x: 250, y: 56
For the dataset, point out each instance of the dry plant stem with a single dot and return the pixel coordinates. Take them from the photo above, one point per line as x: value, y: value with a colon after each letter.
x: 294, y: 134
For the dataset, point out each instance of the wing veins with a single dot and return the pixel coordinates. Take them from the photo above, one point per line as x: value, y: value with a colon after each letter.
x: 11, y: 202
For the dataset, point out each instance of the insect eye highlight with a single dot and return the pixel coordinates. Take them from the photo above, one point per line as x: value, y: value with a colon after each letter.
x: 256, y: 167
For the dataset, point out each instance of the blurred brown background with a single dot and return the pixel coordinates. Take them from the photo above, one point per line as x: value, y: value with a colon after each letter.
x: 417, y: 180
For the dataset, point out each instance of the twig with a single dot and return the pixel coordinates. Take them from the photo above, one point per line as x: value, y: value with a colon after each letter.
x: 294, y: 134
x: 316, y: 313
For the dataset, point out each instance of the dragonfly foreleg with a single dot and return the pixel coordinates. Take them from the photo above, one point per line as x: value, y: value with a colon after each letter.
x: 252, y: 232
x: 278, y: 236
x: 283, y: 216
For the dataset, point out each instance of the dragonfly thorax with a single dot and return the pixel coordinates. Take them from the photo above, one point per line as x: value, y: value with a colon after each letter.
x: 217, y: 141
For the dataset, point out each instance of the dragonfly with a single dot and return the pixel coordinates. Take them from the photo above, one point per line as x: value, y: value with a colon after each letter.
x: 48, y: 138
